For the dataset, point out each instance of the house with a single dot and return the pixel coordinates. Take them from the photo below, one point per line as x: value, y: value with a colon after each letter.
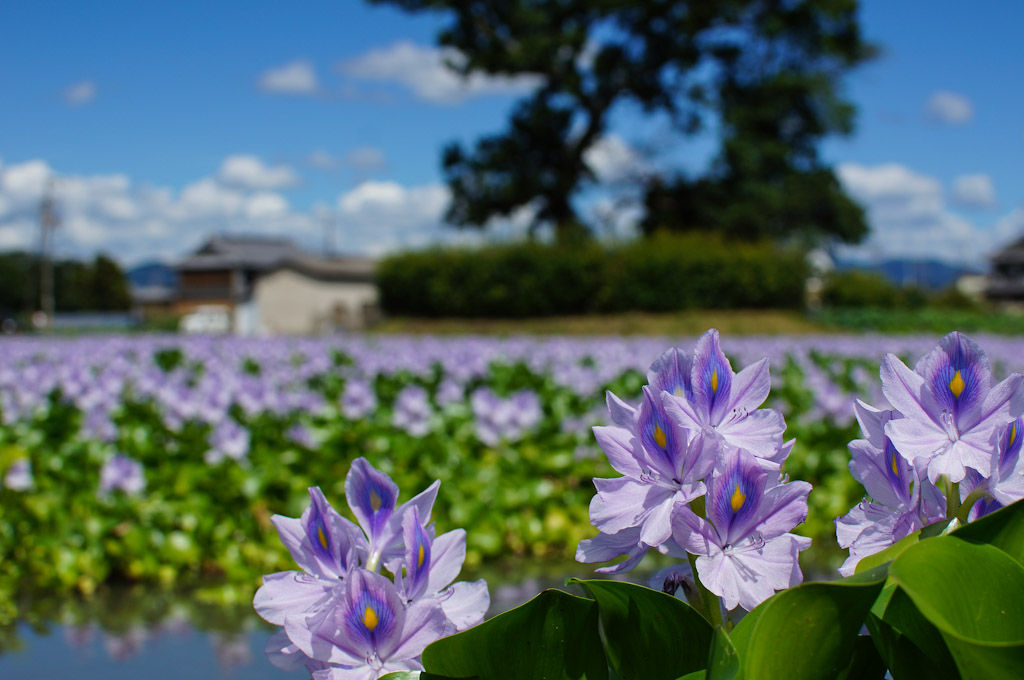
x: 305, y: 295
x: 269, y: 285
x: 225, y: 268
x: 1005, y: 281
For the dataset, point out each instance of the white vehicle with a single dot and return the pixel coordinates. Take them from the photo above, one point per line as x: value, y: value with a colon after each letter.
x: 207, y: 320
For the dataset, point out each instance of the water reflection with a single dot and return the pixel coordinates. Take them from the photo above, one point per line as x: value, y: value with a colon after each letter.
x: 135, y: 632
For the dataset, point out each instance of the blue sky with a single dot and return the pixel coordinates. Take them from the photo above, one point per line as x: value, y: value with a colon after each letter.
x: 166, y: 122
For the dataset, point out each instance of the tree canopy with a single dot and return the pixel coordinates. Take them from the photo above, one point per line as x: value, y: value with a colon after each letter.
x: 763, y: 76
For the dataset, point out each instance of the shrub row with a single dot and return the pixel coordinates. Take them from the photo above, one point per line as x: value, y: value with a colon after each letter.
x: 661, y: 273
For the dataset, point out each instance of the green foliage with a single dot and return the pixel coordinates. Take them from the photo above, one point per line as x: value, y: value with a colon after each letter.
x: 78, y: 286
x: 528, y: 279
x: 689, y: 63
x: 857, y: 288
x: 945, y: 607
x: 923, y: 320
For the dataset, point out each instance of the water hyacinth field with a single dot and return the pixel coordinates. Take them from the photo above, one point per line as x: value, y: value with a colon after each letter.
x: 140, y: 474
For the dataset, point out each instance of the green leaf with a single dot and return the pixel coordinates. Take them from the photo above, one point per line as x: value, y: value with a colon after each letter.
x: 809, y: 631
x: 554, y: 636
x: 723, y: 662
x: 866, y: 663
x: 911, y: 647
x: 1003, y: 529
x: 974, y: 595
x: 416, y: 675
x: 897, y: 548
x: 647, y: 633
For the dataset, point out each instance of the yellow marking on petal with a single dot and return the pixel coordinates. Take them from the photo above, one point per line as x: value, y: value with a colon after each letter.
x: 895, y: 469
x: 1013, y: 434
x: 737, y: 500
x: 714, y: 380
x: 956, y: 385
x: 375, y: 500
x: 659, y: 436
x: 370, y: 619
x: 679, y: 392
x: 419, y: 557
x: 320, y: 535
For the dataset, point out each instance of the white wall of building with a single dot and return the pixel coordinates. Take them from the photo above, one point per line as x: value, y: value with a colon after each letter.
x: 292, y: 303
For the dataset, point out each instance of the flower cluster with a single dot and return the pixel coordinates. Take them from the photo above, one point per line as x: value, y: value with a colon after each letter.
x: 342, y: 618
x: 500, y: 419
x: 947, y: 435
x: 701, y: 475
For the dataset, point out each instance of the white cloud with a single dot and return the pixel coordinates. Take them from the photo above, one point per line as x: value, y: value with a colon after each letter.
x: 366, y: 159
x: 249, y: 172
x: 974, y: 190
x: 296, y: 77
x: 80, y: 93
x: 424, y: 71
x: 949, y: 107
x: 380, y: 216
x: 322, y: 160
x: 266, y: 204
x: 612, y: 159
x: 909, y: 217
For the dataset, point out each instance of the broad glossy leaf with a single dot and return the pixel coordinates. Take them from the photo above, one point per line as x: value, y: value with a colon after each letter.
x: 553, y: 636
x: 866, y: 663
x: 647, y: 634
x: 1003, y: 529
x: 897, y: 548
x: 808, y: 632
x: 723, y: 661
x: 416, y: 675
x: 911, y: 646
x: 974, y: 595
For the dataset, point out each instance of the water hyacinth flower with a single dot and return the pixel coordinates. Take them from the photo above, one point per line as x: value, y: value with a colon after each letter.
x: 745, y: 549
x: 412, y: 411
x: 903, y: 499
x: 342, y: 617
x: 698, y: 432
x: 952, y: 415
x: 121, y: 473
x: 358, y: 400
x: 716, y: 404
x: 660, y: 468
x: 227, y: 440
x: 19, y: 475
x: 366, y: 630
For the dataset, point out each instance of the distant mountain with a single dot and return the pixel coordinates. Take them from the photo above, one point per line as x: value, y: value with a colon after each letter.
x: 152, y: 274
x: 930, y: 274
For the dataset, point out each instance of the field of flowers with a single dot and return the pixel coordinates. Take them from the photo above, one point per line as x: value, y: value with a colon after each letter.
x: 160, y: 460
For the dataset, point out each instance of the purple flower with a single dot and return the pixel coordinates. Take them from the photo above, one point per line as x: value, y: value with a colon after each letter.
x: 342, y: 618
x: 431, y: 564
x: 1006, y: 480
x: 19, y: 475
x: 952, y: 415
x: 745, y: 550
x: 412, y: 411
x: 121, y: 473
x: 901, y: 500
x: 227, y: 440
x: 358, y: 400
x: 367, y: 630
x: 716, y: 404
x: 660, y: 468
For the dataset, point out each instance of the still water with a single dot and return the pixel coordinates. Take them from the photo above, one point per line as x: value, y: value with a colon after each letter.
x: 157, y: 636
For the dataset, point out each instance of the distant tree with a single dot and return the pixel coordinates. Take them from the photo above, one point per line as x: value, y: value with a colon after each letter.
x: 767, y: 71
x: 108, y: 286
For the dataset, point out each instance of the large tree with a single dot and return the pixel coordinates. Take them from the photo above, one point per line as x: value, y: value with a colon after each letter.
x: 765, y: 74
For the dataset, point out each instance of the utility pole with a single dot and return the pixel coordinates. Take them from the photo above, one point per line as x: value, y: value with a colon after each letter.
x: 329, y: 224
x: 48, y: 223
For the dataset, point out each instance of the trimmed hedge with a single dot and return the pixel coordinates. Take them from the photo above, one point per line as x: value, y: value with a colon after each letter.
x: 661, y: 273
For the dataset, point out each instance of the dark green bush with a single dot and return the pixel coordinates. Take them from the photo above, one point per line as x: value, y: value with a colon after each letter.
x: 856, y: 288
x: 662, y: 273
